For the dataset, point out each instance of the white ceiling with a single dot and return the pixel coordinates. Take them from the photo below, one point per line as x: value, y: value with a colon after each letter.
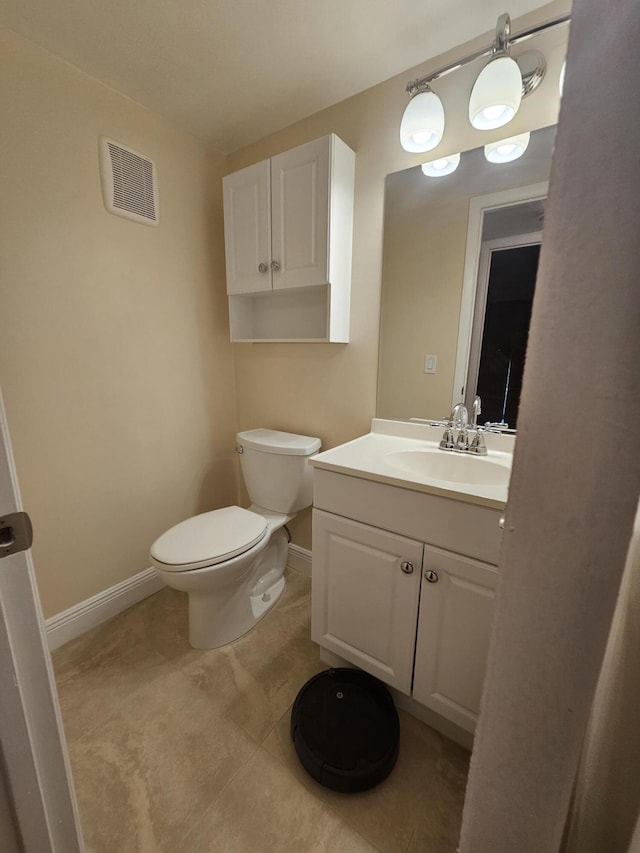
x: 233, y: 71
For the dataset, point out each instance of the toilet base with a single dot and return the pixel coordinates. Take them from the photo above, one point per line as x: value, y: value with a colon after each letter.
x: 218, y: 617
x: 261, y: 604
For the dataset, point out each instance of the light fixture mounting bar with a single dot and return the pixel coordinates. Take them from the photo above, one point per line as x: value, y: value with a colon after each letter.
x: 421, y: 84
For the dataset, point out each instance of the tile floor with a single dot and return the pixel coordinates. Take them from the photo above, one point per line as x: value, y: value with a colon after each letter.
x: 188, y: 751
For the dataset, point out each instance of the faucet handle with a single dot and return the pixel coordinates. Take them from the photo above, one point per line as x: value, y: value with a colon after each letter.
x: 447, y: 442
x: 478, y: 445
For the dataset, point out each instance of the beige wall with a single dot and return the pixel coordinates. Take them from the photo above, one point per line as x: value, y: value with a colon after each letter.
x: 423, y: 267
x: 114, y: 356
x: 330, y: 390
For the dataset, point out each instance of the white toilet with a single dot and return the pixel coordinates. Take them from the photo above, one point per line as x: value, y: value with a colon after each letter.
x: 231, y: 561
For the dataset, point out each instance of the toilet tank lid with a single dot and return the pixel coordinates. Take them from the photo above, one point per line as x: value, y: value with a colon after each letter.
x: 273, y: 441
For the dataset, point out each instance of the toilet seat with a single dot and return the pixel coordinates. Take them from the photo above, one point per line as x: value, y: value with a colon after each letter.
x: 208, y: 539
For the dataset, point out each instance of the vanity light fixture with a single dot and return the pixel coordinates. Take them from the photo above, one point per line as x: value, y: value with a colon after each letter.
x: 422, y: 124
x: 441, y: 166
x: 496, y: 94
x: 506, y: 150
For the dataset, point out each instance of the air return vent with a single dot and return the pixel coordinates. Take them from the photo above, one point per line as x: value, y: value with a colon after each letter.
x: 129, y: 183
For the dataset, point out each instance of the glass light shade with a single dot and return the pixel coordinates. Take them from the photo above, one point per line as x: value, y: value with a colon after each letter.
x: 496, y: 94
x: 561, y: 80
x: 441, y: 166
x: 422, y: 124
x: 506, y: 150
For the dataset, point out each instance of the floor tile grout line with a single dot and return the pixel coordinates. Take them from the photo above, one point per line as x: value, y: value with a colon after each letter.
x: 411, y: 837
x: 275, y: 726
x: 86, y: 732
x: 229, y: 781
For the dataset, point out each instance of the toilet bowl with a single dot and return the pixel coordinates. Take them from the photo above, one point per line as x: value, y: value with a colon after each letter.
x: 231, y: 561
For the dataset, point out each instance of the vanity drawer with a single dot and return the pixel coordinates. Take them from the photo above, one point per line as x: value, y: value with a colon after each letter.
x: 464, y: 528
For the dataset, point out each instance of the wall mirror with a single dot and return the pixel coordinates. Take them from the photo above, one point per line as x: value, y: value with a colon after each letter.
x: 460, y: 257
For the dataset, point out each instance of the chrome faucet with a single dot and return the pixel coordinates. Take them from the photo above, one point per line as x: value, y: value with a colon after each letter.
x: 459, y: 416
x: 459, y: 419
x: 477, y: 446
x: 476, y: 410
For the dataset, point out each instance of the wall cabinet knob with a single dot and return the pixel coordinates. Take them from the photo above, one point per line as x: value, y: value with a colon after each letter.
x: 406, y: 567
x: 263, y: 268
x: 275, y: 266
x: 431, y: 576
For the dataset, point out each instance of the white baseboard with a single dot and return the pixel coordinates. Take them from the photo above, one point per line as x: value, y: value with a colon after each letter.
x: 87, y: 614
x: 299, y: 559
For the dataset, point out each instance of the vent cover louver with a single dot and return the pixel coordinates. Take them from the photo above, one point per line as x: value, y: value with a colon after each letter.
x: 129, y: 183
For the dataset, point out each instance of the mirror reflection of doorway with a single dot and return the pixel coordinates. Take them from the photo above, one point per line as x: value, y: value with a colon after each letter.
x: 504, y: 296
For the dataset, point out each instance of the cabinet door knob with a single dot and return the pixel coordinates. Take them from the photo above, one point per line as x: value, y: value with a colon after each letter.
x: 275, y: 266
x: 431, y: 576
x: 406, y: 567
x: 263, y: 268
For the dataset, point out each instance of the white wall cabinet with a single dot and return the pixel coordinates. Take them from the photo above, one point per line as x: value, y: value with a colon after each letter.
x: 288, y: 225
x: 426, y: 632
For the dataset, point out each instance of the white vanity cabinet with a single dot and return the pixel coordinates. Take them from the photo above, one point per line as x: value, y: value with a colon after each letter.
x: 403, y: 587
x: 288, y: 235
x: 366, y: 584
x: 454, y: 626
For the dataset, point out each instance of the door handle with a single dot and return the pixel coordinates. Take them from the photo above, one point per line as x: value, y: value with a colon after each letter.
x: 16, y: 533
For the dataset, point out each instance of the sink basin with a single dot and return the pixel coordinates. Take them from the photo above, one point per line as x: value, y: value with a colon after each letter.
x: 449, y: 467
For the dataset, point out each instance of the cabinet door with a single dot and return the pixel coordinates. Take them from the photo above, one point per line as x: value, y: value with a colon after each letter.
x: 364, y: 606
x: 300, y: 215
x: 247, y: 229
x: 454, y: 626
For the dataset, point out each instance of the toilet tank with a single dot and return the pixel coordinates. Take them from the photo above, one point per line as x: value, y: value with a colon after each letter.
x: 275, y: 468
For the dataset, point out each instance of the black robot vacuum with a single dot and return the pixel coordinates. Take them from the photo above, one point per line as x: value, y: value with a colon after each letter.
x: 345, y: 729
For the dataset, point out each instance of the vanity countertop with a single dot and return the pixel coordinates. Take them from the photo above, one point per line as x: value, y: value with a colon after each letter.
x: 406, y: 454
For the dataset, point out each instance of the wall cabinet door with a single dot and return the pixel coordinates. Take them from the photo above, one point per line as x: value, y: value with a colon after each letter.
x: 364, y: 606
x: 247, y: 229
x: 300, y: 215
x: 454, y: 626
x: 276, y: 219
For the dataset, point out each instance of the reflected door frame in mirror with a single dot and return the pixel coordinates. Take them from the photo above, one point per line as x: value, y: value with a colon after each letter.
x: 479, y: 206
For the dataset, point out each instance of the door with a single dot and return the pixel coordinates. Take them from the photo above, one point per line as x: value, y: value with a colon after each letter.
x: 365, y: 596
x: 247, y: 229
x: 300, y: 215
x: 37, y: 804
x: 454, y: 626
x: 504, y: 298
